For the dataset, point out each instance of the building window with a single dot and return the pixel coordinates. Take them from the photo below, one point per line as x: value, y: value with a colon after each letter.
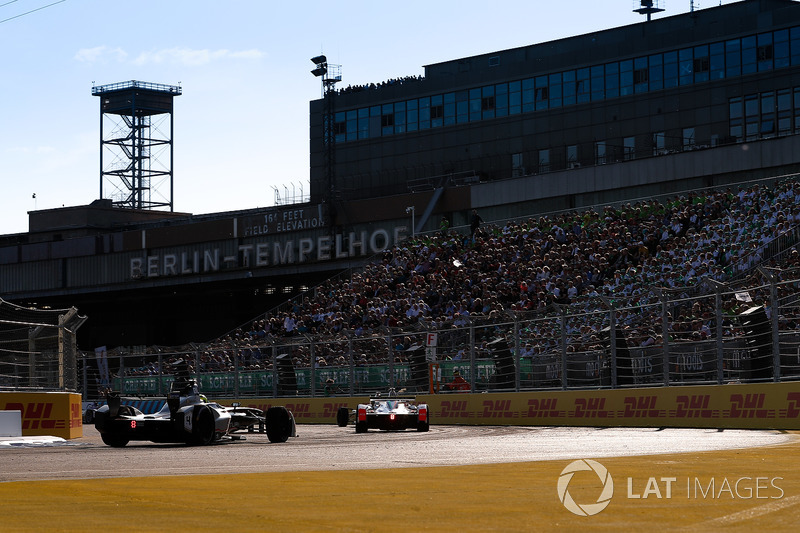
x: 641, y: 75
x: 544, y: 160
x: 582, y: 88
x: 688, y: 139
x: 625, y: 78
x: 340, y: 128
x: 751, y: 113
x: 629, y: 148
x: 572, y: 156
x: 600, y: 153
x: 764, y: 51
x: 542, y: 93
x: 659, y: 143
x: 784, y: 102
x: 517, y: 168
x: 767, y: 129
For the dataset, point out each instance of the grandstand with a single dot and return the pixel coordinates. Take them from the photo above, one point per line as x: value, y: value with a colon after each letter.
x: 697, y: 287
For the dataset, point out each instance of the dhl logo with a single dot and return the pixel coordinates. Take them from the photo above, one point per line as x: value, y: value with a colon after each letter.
x: 498, y: 409
x: 640, y: 407
x: 748, y: 406
x: 75, y: 416
x: 301, y: 410
x: 693, y: 406
x: 329, y: 409
x: 37, y: 415
x: 454, y: 409
x: 543, y: 407
x: 793, y: 411
x: 590, y: 408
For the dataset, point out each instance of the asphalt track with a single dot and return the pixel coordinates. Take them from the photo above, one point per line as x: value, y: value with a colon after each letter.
x: 451, y: 478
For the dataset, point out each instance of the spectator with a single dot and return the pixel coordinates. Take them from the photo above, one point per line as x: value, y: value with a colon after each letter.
x: 475, y: 222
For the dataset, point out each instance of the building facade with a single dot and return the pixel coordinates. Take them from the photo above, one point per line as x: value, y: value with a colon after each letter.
x: 716, y: 77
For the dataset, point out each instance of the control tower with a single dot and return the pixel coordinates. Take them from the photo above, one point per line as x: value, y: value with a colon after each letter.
x: 136, y: 143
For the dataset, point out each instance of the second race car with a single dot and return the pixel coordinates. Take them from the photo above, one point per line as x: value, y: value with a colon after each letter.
x: 389, y: 414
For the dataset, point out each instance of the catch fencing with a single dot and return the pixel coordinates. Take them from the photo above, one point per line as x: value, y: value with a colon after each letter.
x: 721, y: 335
x: 38, y: 349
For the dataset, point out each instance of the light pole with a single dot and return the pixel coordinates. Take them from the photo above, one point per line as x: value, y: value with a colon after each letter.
x: 410, y: 209
x: 330, y: 75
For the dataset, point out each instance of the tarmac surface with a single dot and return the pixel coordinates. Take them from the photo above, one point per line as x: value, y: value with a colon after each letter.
x: 327, y: 447
x: 453, y: 478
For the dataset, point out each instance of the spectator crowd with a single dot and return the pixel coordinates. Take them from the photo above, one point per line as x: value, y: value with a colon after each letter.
x: 626, y: 256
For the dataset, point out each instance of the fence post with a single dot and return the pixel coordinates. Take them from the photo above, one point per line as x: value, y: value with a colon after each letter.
x: 517, y: 358
x: 612, y: 337
x: 274, y: 370
x: 236, y: 372
x: 351, y: 365
x: 313, y: 371
x: 390, y: 359
x: 563, y: 312
x: 718, y: 333
x: 473, y: 367
x: 774, y: 314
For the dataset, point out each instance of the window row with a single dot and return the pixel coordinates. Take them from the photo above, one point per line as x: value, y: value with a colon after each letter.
x: 715, y: 61
x: 764, y: 115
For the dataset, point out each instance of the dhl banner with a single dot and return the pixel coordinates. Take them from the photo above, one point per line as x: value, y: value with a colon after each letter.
x: 57, y: 414
x: 750, y: 406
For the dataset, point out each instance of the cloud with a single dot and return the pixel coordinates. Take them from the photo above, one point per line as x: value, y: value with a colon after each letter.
x: 101, y: 53
x: 190, y: 57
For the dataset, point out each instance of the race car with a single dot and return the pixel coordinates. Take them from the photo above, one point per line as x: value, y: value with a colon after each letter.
x: 389, y: 414
x: 188, y: 417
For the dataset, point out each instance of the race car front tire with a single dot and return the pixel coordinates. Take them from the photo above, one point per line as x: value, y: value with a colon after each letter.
x: 342, y: 417
x: 279, y: 424
x: 113, y: 440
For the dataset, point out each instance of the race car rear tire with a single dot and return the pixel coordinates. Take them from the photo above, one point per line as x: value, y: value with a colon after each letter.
x: 279, y: 424
x: 342, y: 417
x: 361, y: 427
x: 423, y: 426
x: 113, y: 440
x: 203, y: 430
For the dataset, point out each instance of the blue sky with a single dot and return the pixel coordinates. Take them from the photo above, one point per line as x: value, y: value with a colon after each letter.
x: 241, y: 124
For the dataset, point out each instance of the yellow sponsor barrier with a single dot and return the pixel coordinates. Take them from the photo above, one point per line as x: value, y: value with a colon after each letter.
x: 57, y: 414
x: 763, y: 406
x: 747, y: 406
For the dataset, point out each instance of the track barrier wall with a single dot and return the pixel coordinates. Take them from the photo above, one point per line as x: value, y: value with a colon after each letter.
x: 55, y: 414
x: 734, y: 406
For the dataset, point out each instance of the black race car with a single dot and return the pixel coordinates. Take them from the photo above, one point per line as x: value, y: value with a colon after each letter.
x: 389, y: 414
x: 188, y: 417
